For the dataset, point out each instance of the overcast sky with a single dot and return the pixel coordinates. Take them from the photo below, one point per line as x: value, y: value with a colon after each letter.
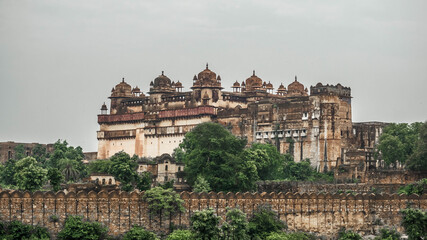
x: 60, y: 59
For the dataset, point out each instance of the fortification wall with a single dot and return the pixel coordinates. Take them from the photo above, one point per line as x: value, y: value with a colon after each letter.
x: 324, y: 213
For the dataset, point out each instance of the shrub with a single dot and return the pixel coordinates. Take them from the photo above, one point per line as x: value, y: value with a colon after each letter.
x: 139, y: 233
x: 76, y: 228
x: 180, y: 235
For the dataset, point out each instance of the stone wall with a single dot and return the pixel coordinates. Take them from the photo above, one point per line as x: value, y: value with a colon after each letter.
x: 324, y: 214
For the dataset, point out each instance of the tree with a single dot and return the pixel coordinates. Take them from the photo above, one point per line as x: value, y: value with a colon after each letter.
x: 201, y: 185
x: 418, y: 160
x: 414, y: 188
x: 178, y: 155
x: 123, y: 168
x: 236, y: 225
x: 213, y: 152
x: 55, y: 177
x: 99, y: 166
x: 263, y: 222
x: 69, y: 169
x: 290, y: 236
x: 19, y: 152
x: 8, y: 173
x: 163, y: 201
x: 139, y: 233
x: 415, y: 223
x: 268, y: 160
x: 144, y: 181
x: 180, y: 235
x: 398, y: 142
x: 204, y: 225
x: 76, y: 228
x: 29, y: 175
x: 39, y: 153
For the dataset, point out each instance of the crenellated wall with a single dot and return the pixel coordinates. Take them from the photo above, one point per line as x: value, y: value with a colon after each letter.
x: 324, y: 214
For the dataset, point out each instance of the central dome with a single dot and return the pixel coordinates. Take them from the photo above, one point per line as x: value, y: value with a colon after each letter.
x: 253, y: 82
x: 162, y: 81
x: 206, y: 74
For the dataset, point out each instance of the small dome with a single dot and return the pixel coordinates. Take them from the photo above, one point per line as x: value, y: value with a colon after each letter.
x: 281, y: 87
x: 104, y: 107
x: 269, y: 85
x: 178, y: 84
x: 236, y: 84
x: 243, y: 84
x: 136, y: 90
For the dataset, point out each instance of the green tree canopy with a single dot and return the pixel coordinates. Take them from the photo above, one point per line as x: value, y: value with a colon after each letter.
x: 55, y: 177
x: 213, y: 152
x: 163, y: 201
x: 180, y: 235
x: 204, y: 225
x: 236, y: 225
x: 348, y: 235
x: 264, y: 221
x: 398, y: 142
x: 201, y: 185
x: 29, y: 175
x: 268, y: 160
x: 418, y: 160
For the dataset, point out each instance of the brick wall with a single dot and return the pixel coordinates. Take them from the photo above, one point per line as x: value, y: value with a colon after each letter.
x: 323, y: 213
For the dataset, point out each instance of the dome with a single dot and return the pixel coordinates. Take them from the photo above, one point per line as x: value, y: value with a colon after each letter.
x: 122, y: 90
x: 178, y: 84
x: 162, y: 81
x: 136, y: 90
x: 296, y: 86
x: 253, y: 81
x: 206, y: 74
x: 281, y: 87
x: 236, y: 84
x: 104, y: 107
x: 269, y: 85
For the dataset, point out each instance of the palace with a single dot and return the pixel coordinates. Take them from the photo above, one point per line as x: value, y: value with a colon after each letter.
x: 314, y: 124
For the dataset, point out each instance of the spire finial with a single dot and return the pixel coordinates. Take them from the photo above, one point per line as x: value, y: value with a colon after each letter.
x: 163, y: 73
x: 123, y: 79
x: 295, y: 78
x: 253, y: 72
x: 207, y: 65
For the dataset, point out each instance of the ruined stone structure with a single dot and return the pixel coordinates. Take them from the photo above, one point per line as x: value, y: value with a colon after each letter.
x: 7, y: 149
x: 316, y: 125
x: 324, y: 214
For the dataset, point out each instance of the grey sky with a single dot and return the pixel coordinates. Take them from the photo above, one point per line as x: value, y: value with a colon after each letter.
x: 60, y: 59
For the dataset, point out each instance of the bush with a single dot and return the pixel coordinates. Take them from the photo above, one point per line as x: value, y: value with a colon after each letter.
x: 180, y: 235
x: 163, y: 201
x: 388, y: 234
x: 414, y: 188
x: 76, y: 228
x: 139, y: 233
x: 18, y: 230
x: 205, y: 224
x: 348, y: 235
x: 415, y: 223
x: 290, y: 236
x: 264, y: 222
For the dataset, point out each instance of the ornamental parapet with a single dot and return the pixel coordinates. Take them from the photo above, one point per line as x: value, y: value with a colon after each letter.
x: 205, y: 110
x: 102, y: 118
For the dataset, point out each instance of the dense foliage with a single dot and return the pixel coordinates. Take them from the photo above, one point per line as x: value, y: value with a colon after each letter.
x: 414, y: 188
x: 415, y: 223
x: 201, y: 185
x: 204, y: 225
x: 163, y: 201
x: 180, y: 235
x: 236, y: 225
x: 264, y: 222
x: 290, y: 236
x: 139, y: 233
x: 267, y: 159
x: 18, y: 230
x: 388, y: 234
x: 76, y: 228
x: 404, y: 143
x: 348, y: 235
x: 213, y: 152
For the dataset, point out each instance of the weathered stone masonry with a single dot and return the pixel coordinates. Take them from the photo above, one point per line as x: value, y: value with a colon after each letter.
x: 322, y: 213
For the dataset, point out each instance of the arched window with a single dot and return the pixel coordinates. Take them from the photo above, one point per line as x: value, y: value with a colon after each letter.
x: 166, y: 167
x: 110, y: 181
x: 179, y: 169
x: 103, y: 181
